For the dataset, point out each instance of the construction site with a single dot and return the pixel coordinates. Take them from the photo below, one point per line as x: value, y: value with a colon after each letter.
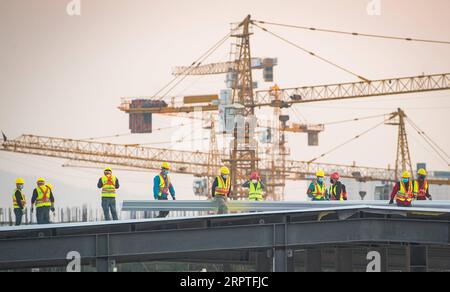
x: 250, y: 128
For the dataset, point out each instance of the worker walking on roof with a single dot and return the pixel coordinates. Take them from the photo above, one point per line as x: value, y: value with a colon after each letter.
x: 256, y: 188
x: 44, y: 201
x: 163, y: 187
x: 338, y: 191
x: 421, y: 188
x: 221, y: 190
x: 403, y: 192
x: 109, y: 185
x: 317, y: 190
x: 19, y: 201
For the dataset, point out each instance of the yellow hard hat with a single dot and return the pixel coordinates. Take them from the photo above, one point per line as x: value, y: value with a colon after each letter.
x: 20, y: 181
x: 108, y: 169
x: 320, y: 173
x: 165, y: 165
x: 422, y: 172
x: 50, y: 186
x: 225, y: 170
x: 40, y: 180
x: 406, y: 174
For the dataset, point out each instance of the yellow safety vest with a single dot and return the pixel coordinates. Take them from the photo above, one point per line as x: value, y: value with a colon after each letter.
x: 223, y: 188
x: 256, y: 192
x: 404, y: 195
x: 109, y: 186
x: 15, y: 204
x: 420, y: 192
x: 163, y: 187
x: 43, y: 198
x: 319, y: 192
x: 333, y: 194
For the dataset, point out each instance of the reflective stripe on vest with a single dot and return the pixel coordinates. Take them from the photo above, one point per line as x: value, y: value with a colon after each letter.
x: 420, y: 192
x: 342, y: 195
x: 403, y: 195
x: 256, y: 192
x: 43, y: 198
x: 319, y: 192
x: 109, y: 186
x: 15, y: 204
x: 164, y: 186
x: 223, y: 188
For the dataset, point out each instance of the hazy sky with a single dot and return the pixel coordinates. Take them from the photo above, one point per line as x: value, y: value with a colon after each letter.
x: 64, y: 75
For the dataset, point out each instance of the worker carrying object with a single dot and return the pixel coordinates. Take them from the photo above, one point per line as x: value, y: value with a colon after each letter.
x: 109, y: 185
x: 403, y: 192
x: 19, y: 201
x: 317, y: 190
x: 221, y: 190
x: 421, y: 187
x: 338, y: 191
x: 44, y: 201
x: 163, y: 187
x: 256, y: 188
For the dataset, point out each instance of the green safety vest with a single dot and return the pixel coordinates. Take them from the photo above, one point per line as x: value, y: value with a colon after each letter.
x: 43, y: 198
x: 15, y: 204
x: 256, y: 192
x: 109, y: 186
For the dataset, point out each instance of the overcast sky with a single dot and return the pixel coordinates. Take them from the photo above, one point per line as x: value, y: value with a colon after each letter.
x: 64, y: 75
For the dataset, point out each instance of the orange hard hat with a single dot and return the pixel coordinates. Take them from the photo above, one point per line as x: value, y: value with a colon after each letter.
x: 254, y: 175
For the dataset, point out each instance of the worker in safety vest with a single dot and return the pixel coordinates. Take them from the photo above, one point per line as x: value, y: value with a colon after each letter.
x: 256, y: 188
x: 317, y: 190
x: 338, y: 191
x: 109, y: 185
x: 19, y: 201
x: 221, y: 190
x: 403, y: 192
x: 421, y: 188
x: 163, y: 187
x: 44, y: 201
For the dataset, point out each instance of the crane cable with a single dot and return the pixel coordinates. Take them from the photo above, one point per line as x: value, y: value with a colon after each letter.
x: 312, y: 53
x: 356, y: 33
x: 438, y: 150
x: 195, y: 64
x: 353, y: 120
x: 345, y: 143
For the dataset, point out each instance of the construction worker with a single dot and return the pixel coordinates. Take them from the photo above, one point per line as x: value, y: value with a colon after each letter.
x: 221, y: 190
x: 162, y: 187
x: 109, y: 185
x: 338, y: 191
x: 256, y: 188
x: 317, y: 190
x: 44, y: 201
x: 421, y: 188
x: 19, y: 201
x: 403, y: 191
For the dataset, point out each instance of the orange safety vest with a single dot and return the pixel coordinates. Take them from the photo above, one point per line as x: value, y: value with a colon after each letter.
x: 223, y: 187
x: 333, y: 196
x: 420, y: 193
x: 320, y: 193
x: 403, y: 195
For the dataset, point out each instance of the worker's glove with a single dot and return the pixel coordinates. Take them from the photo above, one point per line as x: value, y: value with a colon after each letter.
x: 430, y: 198
x: 174, y: 199
x: 391, y: 202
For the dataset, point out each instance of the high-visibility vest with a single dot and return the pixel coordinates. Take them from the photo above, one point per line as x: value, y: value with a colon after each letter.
x: 404, y: 195
x: 256, y: 192
x: 43, y: 197
x: 109, y: 186
x: 320, y: 192
x: 420, y: 193
x: 342, y: 195
x: 223, y: 187
x: 22, y: 199
x: 164, y: 185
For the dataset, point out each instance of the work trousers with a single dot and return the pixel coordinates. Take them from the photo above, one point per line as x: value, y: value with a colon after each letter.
x: 222, y: 205
x: 109, y: 208
x: 19, y: 214
x: 43, y: 215
x: 163, y: 214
